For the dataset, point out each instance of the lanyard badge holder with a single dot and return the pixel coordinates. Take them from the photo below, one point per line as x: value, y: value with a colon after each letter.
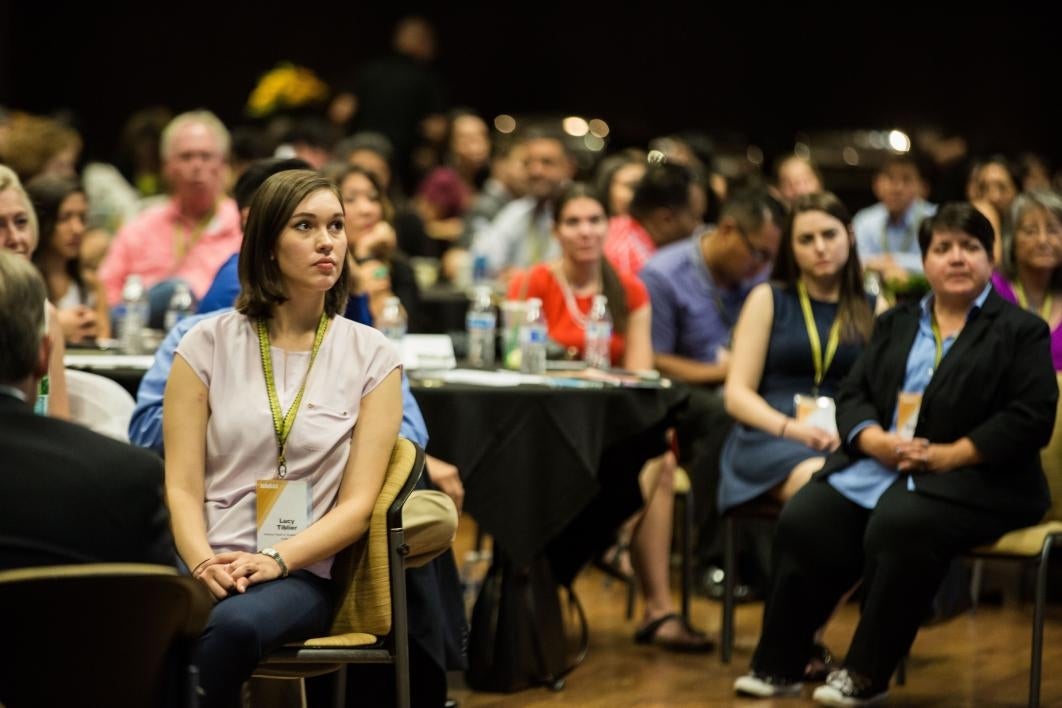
x: 283, y: 506
x: 815, y: 410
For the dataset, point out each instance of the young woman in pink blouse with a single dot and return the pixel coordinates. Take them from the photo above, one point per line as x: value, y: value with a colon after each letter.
x: 284, y: 361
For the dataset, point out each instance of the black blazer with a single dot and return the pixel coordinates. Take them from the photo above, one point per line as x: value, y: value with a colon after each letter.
x: 69, y: 495
x: 996, y: 385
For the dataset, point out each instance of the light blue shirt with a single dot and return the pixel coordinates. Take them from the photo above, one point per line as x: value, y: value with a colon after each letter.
x: 865, y: 480
x: 876, y: 235
x: 145, y: 427
x: 520, y: 236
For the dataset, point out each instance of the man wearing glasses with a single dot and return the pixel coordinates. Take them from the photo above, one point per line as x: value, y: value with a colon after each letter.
x: 697, y: 287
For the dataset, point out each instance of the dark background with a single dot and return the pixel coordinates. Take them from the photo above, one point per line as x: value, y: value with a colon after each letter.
x: 763, y: 72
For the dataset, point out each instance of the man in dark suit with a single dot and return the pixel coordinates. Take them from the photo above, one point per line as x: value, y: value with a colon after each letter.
x: 950, y: 463
x: 67, y: 495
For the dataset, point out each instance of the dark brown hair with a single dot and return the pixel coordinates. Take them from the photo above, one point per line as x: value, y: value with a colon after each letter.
x: 48, y: 192
x: 611, y: 286
x: 853, y: 310
x: 261, y: 283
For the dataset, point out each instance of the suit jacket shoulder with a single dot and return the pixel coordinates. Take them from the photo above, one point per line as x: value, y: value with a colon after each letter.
x: 78, y: 496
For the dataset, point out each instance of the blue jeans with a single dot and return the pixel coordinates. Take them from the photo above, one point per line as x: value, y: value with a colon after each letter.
x: 244, y: 628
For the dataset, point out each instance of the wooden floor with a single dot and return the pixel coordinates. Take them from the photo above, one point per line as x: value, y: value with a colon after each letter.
x: 977, y: 659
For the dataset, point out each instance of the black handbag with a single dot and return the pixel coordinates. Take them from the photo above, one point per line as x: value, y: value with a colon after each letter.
x: 518, y: 635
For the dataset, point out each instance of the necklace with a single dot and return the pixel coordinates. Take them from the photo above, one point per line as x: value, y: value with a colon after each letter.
x: 572, y: 306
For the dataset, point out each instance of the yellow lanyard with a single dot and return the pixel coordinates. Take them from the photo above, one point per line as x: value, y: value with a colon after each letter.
x: 822, y: 364
x: 181, y: 245
x: 282, y: 425
x: 938, y: 339
x: 1045, y: 308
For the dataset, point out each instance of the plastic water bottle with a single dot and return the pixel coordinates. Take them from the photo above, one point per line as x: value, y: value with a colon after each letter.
x: 40, y: 407
x: 479, y: 270
x: 135, y: 319
x: 480, y: 323
x: 598, y: 334
x: 533, y: 339
x: 181, y: 306
x: 392, y: 321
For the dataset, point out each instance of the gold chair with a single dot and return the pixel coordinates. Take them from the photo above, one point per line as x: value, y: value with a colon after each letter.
x: 100, y: 634
x: 1029, y: 545
x: 370, y: 626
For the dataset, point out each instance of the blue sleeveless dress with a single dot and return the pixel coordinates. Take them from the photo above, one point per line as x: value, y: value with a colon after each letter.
x: 752, y: 460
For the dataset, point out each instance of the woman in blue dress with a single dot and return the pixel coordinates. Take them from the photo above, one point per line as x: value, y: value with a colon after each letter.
x: 797, y: 336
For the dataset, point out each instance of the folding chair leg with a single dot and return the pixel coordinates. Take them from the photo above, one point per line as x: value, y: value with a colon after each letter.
x: 729, y: 569
x: 1038, y: 624
x: 976, y: 578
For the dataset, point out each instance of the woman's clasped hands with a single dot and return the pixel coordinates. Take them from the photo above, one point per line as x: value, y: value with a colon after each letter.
x: 235, y: 571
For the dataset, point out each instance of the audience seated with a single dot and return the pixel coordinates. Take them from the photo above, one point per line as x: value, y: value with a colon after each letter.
x: 887, y: 232
x: 567, y: 287
x: 190, y: 236
x: 776, y: 444
x: 814, y: 303
x: 616, y: 178
x: 61, y: 216
x: 1030, y: 275
x: 519, y: 236
x: 697, y: 287
x: 381, y: 271
x: 795, y: 176
x: 660, y: 212
x: 941, y: 422
x: 274, y: 588
x: 18, y: 234
x: 67, y: 495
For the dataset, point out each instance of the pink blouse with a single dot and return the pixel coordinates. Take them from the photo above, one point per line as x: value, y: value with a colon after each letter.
x: 241, y: 445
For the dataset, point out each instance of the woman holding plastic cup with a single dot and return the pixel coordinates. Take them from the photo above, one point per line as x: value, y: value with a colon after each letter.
x: 795, y: 341
x: 891, y: 513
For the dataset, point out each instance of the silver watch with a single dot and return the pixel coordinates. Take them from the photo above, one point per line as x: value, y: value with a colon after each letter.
x: 275, y: 555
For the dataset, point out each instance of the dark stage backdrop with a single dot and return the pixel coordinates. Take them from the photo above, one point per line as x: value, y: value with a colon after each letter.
x: 763, y: 72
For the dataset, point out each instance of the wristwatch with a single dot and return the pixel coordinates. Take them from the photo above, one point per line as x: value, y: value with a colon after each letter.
x: 275, y: 555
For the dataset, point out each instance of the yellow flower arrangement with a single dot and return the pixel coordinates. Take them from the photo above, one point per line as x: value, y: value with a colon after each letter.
x: 285, y: 87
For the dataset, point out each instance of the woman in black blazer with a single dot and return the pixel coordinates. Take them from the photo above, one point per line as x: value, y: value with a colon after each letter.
x: 941, y: 423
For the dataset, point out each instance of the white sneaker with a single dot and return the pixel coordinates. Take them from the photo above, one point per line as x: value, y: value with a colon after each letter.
x: 764, y: 686
x: 844, y: 688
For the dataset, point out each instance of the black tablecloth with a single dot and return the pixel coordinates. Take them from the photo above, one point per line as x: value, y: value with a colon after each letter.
x: 531, y: 457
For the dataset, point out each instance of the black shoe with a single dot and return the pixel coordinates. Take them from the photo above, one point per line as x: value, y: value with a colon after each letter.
x: 820, y: 665
x: 711, y: 583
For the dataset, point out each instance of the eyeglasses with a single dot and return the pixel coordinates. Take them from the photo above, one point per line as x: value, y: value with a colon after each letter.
x: 762, y: 255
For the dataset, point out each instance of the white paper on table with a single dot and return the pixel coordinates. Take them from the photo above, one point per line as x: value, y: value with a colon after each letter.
x: 501, y: 379
x: 89, y: 362
x: 428, y: 351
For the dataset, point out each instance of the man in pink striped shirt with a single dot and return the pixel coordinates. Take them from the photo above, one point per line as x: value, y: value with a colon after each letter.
x: 661, y: 212
x: 191, y: 235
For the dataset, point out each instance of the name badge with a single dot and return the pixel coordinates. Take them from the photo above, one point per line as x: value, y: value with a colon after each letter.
x: 283, y: 509
x: 817, y: 411
x: 907, y: 407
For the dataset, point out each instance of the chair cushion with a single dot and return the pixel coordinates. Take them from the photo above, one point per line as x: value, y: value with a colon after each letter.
x: 1023, y: 542
x: 350, y: 639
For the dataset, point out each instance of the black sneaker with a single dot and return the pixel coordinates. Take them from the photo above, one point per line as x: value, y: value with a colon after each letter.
x: 847, y: 688
x: 766, y: 686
